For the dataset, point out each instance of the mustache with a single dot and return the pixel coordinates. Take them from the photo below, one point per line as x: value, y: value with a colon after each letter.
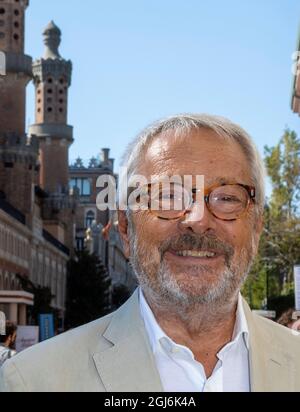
x: 196, y: 242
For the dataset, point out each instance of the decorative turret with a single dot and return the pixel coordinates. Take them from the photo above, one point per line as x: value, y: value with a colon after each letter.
x: 18, y: 71
x: 18, y: 153
x: 52, y: 39
x: 52, y: 78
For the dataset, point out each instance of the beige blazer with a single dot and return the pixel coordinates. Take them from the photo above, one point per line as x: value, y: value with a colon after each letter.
x: 113, y: 355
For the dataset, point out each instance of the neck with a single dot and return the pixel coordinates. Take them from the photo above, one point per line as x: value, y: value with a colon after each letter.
x: 204, y: 328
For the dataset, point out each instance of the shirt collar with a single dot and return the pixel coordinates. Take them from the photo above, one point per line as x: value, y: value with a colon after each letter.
x: 241, y: 325
x: 154, y: 331
x: 157, y: 335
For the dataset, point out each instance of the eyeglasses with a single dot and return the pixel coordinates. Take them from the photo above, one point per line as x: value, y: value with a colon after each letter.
x: 226, y: 202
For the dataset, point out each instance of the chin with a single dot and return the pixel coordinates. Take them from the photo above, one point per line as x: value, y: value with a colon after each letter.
x: 205, y: 288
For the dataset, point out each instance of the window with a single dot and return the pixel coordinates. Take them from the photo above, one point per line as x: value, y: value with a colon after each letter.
x: 82, y: 184
x: 89, y: 219
x: 80, y: 243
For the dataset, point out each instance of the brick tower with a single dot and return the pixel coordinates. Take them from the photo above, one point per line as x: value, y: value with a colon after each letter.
x: 52, y: 78
x: 18, y: 153
x: 18, y: 66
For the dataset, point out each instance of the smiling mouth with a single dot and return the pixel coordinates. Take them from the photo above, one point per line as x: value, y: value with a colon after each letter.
x: 196, y: 253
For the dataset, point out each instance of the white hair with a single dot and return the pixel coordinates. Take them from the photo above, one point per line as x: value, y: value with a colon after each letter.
x: 186, y: 123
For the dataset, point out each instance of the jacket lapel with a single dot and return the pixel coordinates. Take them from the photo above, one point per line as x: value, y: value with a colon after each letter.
x: 128, y: 365
x: 271, y: 367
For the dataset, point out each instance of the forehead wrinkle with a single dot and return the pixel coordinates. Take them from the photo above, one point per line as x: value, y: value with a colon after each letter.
x: 168, y: 157
x: 169, y: 147
x: 159, y: 164
x: 171, y: 166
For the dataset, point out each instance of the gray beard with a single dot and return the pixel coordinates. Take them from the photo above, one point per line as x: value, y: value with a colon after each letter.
x: 163, y: 289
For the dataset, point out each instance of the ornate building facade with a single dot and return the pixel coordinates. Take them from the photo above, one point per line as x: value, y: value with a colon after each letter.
x: 98, y: 230
x: 83, y: 180
x: 47, y: 208
x: 36, y: 211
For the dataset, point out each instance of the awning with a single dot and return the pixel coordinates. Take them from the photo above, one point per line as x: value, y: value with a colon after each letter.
x: 17, y: 296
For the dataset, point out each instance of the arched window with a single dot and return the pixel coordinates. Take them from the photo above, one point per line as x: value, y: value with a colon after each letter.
x: 6, y: 282
x: 89, y: 219
x: 12, y: 283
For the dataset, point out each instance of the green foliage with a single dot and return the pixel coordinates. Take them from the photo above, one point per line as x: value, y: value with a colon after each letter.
x: 254, y: 289
x: 120, y: 295
x: 88, y: 290
x: 279, y: 248
x: 283, y: 167
x: 42, y: 299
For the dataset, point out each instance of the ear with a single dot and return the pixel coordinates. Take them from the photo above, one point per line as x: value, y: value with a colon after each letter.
x: 123, y: 230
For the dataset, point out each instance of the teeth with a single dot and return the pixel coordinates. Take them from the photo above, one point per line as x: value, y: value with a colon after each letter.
x: 195, y: 253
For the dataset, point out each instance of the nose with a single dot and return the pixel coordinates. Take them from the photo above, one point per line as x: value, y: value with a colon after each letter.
x: 198, y: 219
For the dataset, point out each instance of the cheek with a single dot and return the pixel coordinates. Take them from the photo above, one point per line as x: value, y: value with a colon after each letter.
x: 239, y: 234
x: 152, y: 232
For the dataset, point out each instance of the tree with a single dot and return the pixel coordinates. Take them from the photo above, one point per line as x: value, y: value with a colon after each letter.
x: 283, y: 167
x: 279, y: 251
x: 120, y: 295
x: 88, y: 290
x: 42, y: 299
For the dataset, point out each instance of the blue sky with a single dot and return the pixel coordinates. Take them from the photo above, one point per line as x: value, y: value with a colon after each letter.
x: 136, y: 61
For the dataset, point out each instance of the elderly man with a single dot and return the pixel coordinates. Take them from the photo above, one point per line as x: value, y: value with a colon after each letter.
x: 186, y: 328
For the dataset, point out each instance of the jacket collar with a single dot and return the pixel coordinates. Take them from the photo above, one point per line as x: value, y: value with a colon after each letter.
x: 128, y: 365
x: 156, y: 334
x: 271, y: 366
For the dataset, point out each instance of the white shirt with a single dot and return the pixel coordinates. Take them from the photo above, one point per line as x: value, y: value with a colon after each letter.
x: 180, y: 372
x: 5, y: 354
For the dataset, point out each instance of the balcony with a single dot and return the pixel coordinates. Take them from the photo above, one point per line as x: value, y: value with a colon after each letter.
x: 56, y: 243
x: 12, y: 211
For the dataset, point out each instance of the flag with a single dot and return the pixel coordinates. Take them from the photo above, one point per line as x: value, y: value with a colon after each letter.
x: 106, y: 230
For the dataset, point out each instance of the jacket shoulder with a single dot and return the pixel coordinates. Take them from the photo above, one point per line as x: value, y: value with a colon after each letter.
x: 279, y: 335
x: 56, y: 364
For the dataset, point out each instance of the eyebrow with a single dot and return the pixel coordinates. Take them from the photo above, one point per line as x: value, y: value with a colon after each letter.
x: 223, y: 180
x: 208, y: 181
x: 220, y: 180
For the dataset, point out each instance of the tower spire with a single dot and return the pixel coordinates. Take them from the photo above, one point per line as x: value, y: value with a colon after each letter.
x: 52, y: 79
x: 52, y: 40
